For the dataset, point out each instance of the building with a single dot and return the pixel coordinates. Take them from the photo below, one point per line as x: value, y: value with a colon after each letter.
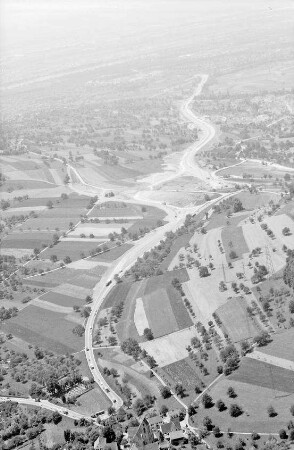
x: 177, y: 437
x: 155, y: 422
x: 142, y: 436
x: 101, y: 444
x: 169, y: 427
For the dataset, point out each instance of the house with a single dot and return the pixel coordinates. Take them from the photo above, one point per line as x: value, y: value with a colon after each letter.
x: 177, y: 437
x: 101, y: 444
x: 121, y: 414
x: 143, y: 434
x: 155, y: 422
x: 152, y: 446
x: 173, y: 425
x: 164, y: 445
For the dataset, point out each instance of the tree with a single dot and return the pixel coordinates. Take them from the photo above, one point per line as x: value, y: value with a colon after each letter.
x: 255, y: 436
x: 78, y: 330
x: 286, y: 231
x: 206, y: 400
x: 53, y: 258
x: 67, y: 435
x: 148, y: 400
x: 151, y: 361
x: 203, y: 271
x: 55, y: 238
x: 56, y: 417
x: 165, y: 392
x: 207, y: 423
x: 109, y: 434
x: 231, y: 392
x: 291, y: 434
x: 262, y: 338
x: 66, y: 179
x: 67, y: 260
x: 191, y: 410
x: 283, y: 434
x: 179, y: 390
x: 148, y: 334
x: 194, y: 441
x: 139, y: 407
x: 271, y: 411
x: 198, y: 389
x: 237, y: 205
x: 291, y: 306
x: 163, y: 410
x: 111, y: 410
x: 292, y: 410
x: 220, y: 405
x: 235, y: 410
x: 49, y: 204
x: 233, y: 254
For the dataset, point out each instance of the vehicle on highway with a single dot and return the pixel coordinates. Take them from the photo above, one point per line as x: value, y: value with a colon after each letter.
x: 108, y: 282
x: 92, y: 367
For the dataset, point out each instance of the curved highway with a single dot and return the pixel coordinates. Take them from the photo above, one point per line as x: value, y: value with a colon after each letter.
x: 176, y: 219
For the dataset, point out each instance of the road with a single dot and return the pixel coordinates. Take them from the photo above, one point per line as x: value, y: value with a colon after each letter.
x: 176, y: 218
x: 46, y: 405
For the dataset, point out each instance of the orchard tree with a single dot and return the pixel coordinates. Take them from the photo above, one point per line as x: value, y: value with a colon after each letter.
x: 165, y: 392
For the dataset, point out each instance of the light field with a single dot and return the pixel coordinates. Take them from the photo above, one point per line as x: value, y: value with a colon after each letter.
x: 140, y: 318
x: 171, y: 348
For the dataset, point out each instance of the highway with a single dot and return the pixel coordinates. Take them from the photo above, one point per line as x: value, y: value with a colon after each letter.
x: 176, y: 217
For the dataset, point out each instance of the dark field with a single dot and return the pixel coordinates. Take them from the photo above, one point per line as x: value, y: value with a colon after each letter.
x: 27, y: 240
x: 46, y: 329
x: 60, y: 299
x: 71, y: 249
x: 266, y: 375
x: 233, y: 239
x: 236, y: 321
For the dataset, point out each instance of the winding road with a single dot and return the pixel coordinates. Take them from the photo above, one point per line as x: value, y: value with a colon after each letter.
x: 176, y: 218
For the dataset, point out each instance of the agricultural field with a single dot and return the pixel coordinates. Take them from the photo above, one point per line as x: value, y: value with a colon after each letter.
x: 170, y: 348
x: 27, y: 240
x: 281, y: 346
x: 275, y: 298
x: 151, y: 303
x: 236, y: 321
x: 254, y: 171
x: 259, y: 373
x: 234, y: 243
x: 74, y: 250
x: 91, y: 402
x: 45, y: 328
x: 254, y: 401
x: 112, y: 254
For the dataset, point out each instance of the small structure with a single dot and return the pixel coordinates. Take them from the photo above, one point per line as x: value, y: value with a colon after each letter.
x: 155, y: 422
x: 101, y: 444
x: 177, y: 437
